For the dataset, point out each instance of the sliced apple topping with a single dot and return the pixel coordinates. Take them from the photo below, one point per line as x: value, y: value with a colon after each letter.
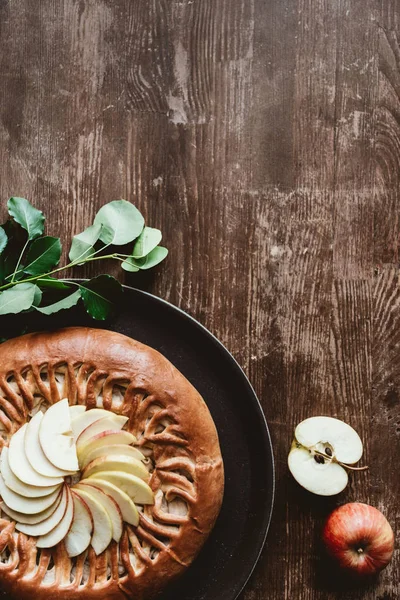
x: 56, y: 439
x: 80, y: 534
x: 53, y: 446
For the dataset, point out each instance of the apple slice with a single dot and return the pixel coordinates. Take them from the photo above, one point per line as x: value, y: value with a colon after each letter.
x: 48, y: 524
x: 128, y: 509
x: 114, y: 450
x: 111, y: 507
x: 33, y: 450
x: 80, y: 534
x: 75, y: 411
x: 20, y: 465
x: 117, y: 463
x: 28, y: 506
x: 136, y: 488
x: 34, y: 518
x: 56, y: 438
x: 101, y: 440
x: 102, y: 526
x: 112, y: 422
x: 59, y: 532
x: 81, y: 422
x: 16, y: 485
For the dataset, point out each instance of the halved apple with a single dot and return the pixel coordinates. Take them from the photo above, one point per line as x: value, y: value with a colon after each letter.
x: 80, y: 534
x: 80, y: 422
x: 114, y: 450
x: 75, y: 411
x: 106, y: 438
x: 18, y: 486
x: 111, y: 422
x: 20, y: 465
x: 56, y: 437
x: 33, y: 450
x: 34, y: 518
x: 59, y: 532
x: 136, y: 488
x: 111, y: 507
x: 117, y: 463
x: 128, y: 509
x: 25, y: 505
x: 102, y: 526
x: 48, y: 524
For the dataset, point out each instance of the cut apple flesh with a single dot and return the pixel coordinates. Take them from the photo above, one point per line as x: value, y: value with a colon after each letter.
x: 136, y: 488
x: 20, y: 465
x: 324, y: 479
x: 102, y: 527
x: 111, y: 507
x: 341, y: 439
x: 23, y: 504
x: 82, y: 421
x: 18, y: 486
x: 30, y: 519
x: 117, y: 463
x: 80, y: 534
x: 75, y: 411
x: 48, y: 524
x: 56, y: 437
x: 107, y: 438
x: 128, y: 509
x: 112, y: 422
x: 34, y: 452
x: 60, y: 531
x: 113, y: 450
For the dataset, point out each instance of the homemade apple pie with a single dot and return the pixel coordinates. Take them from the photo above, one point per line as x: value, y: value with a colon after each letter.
x: 111, y: 476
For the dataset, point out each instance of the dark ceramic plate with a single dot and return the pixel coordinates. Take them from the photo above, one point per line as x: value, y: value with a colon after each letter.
x: 230, y: 555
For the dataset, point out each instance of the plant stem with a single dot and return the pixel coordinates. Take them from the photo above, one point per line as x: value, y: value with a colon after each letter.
x: 71, y: 264
x: 19, y: 260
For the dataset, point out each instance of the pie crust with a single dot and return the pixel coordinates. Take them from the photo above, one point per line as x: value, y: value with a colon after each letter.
x: 174, y: 429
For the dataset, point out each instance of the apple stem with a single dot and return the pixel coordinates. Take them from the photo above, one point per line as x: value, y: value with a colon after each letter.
x: 346, y: 466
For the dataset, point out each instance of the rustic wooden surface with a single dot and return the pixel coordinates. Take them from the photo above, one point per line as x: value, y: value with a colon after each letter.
x: 263, y: 138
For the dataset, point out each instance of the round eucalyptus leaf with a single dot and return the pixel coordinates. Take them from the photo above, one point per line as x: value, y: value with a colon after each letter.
x: 152, y: 259
x: 82, y: 246
x: 146, y: 242
x: 122, y: 222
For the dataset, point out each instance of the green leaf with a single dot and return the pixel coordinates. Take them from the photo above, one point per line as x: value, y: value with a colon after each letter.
x: 122, y: 222
x: 83, y: 243
x: 99, y: 294
x: 51, y: 283
x: 3, y: 239
x: 146, y: 242
x: 29, y: 217
x: 18, y: 298
x: 37, y: 296
x: 152, y: 259
x: 129, y: 265
x: 67, y: 302
x: 43, y: 255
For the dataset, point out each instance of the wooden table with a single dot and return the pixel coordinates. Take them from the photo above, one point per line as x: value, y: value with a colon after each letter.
x: 263, y: 138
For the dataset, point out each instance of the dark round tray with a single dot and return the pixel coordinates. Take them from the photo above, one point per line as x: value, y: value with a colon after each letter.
x: 229, y: 556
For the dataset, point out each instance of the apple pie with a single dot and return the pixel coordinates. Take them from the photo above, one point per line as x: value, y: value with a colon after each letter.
x: 111, y: 475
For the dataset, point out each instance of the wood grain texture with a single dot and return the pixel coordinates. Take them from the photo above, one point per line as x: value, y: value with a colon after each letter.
x: 263, y: 138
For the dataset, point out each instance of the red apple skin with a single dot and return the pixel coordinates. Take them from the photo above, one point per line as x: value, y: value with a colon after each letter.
x: 359, y: 538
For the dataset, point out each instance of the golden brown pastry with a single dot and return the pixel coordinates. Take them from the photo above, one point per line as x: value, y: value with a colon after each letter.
x: 173, y: 427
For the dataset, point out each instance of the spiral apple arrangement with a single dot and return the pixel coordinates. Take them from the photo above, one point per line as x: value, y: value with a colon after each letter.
x: 73, y: 474
x: 356, y: 535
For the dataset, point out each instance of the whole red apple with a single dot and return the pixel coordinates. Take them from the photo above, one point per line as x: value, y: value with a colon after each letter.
x: 359, y: 537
